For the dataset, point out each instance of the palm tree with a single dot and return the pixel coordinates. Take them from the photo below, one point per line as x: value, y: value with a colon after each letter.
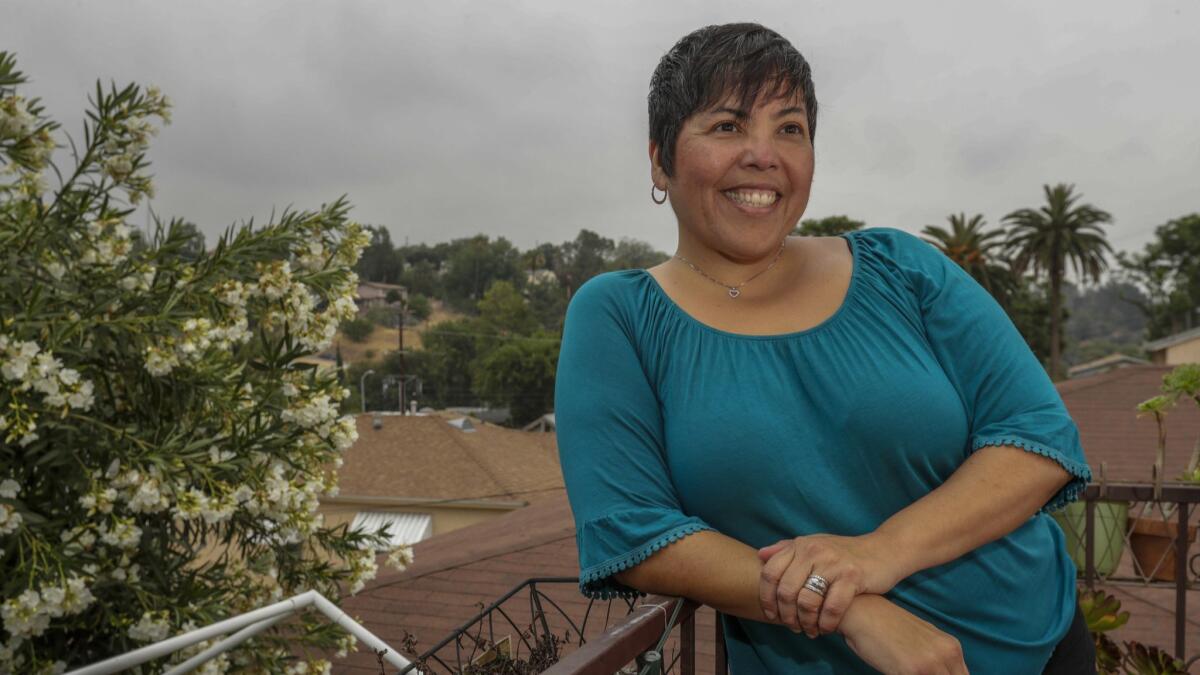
x: 1046, y: 239
x: 976, y: 251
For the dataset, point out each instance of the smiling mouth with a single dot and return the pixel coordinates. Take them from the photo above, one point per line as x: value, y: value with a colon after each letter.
x: 752, y: 198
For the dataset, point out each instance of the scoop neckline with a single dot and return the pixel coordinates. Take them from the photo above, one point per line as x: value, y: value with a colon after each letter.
x: 855, y: 272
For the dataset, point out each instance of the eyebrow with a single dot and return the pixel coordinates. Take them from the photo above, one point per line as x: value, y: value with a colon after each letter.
x: 742, y: 114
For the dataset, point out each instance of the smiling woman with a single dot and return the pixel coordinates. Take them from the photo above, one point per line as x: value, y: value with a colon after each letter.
x: 840, y: 443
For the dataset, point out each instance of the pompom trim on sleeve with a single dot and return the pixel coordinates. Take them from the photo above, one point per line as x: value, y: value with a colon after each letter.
x: 1080, y: 472
x: 596, y: 582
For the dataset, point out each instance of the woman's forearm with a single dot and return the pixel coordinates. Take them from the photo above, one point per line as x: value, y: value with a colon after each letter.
x: 706, y: 566
x: 994, y: 491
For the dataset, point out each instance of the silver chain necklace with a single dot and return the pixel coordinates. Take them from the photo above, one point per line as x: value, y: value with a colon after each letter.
x: 735, y: 291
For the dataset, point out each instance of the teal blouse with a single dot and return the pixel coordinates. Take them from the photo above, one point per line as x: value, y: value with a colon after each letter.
x: 667, y: 426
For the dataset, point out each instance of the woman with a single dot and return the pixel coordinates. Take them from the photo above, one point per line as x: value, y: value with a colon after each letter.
x: 840, y: 443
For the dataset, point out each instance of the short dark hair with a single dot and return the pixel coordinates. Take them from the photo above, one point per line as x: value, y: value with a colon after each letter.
x: 735, y: 59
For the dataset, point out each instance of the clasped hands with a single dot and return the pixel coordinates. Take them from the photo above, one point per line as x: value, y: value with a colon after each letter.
x: 849, y: 565
x: 883, y: 634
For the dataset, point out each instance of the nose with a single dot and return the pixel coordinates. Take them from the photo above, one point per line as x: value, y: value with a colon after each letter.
x: 760, y: 152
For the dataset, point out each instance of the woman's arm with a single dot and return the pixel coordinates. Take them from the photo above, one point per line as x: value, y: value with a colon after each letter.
x: 994, y: 491
x: 721, y: 572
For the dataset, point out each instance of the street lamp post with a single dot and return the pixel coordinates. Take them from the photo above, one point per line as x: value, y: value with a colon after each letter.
x: 362, y: 389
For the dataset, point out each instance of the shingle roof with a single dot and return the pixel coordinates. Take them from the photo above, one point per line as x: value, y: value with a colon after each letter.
x: 1103, y: 408
x: 424, y: 456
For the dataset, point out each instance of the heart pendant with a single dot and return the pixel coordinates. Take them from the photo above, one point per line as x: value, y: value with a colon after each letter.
x: 733, y: 292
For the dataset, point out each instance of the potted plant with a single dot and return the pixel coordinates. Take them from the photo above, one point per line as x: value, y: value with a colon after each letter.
x: 1109, y: 540
x: 1151, y: 539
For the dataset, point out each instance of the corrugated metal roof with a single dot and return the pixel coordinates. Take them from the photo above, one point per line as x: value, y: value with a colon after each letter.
x: 1172, y: 340
x: 404, y: 528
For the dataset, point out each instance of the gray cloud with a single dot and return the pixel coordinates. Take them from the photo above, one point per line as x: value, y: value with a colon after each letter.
x: 527, y: 119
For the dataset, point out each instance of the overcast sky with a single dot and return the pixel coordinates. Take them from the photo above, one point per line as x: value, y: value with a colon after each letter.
x: 528, y: 119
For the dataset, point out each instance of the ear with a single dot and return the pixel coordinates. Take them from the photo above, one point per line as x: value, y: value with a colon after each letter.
x: 657, y: 175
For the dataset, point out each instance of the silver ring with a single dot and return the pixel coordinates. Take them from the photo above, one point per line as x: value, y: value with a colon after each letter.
x: 817, y: 584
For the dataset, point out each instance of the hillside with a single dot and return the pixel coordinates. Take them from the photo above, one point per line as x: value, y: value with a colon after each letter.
x: 384, y: 339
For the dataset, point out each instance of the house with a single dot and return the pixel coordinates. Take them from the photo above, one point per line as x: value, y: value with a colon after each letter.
x: 375, y: 294
x: 1175, y: 349
x: 431, y: 474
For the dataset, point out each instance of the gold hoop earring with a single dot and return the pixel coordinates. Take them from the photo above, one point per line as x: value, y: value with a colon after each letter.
x: 654, y: 199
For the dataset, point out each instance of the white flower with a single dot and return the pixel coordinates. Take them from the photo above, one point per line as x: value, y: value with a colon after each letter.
x: 56, y: 269
x: 123, y: 534
x: 77, y: 597
x: 9, y: 488
x: 10, y: 520
x: 152, y: 627
x: 24, y: 615
x: 346, y: 644
x: 400, y: 557
x: 159, y: 362
x: 148, y: 498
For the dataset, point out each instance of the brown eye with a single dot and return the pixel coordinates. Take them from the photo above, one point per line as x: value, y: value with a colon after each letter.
x: 794, y: 129
x: 725, y: 126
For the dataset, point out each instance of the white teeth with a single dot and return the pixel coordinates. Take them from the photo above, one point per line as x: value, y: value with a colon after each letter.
x: 758, y: 198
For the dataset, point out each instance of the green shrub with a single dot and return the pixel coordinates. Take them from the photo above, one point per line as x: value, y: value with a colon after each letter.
x: 358, y: 330
x: 152, y: 408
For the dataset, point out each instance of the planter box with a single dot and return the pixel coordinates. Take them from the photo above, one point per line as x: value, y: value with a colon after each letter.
x: 1153, y: 543
x: 1110, y: 530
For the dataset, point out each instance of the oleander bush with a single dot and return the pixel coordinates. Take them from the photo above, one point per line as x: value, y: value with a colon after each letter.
x: 162, y: 452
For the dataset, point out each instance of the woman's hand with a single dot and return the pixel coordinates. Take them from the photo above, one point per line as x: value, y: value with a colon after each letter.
x: 849, y: 565
x: 896, y: 642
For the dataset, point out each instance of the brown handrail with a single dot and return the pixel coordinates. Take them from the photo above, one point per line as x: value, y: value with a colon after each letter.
x: 631, y: 637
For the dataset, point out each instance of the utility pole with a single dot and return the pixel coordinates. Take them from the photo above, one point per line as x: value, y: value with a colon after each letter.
x: 403, y: 314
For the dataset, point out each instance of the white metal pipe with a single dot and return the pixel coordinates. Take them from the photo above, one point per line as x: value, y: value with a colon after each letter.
x: 171, y: 645
x: 365, y: 636
x: 248, y: 625
x: 225, y: 645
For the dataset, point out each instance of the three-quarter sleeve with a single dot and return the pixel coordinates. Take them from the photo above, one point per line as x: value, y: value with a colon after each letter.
x: 1009, y: 398
x: 610, y: 442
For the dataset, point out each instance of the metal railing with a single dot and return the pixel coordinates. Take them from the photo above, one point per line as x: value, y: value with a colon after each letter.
x: 530, y: 617
x: 246, y: 626
x: 1155, y: 524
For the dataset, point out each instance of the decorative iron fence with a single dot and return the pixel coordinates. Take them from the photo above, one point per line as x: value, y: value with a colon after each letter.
x: 533, y: 629
x: 1138, y: 535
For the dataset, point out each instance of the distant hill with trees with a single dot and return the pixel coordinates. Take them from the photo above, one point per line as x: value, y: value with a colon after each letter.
x: 499, y: 310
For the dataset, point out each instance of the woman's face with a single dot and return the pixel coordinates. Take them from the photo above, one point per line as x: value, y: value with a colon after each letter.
x: 742, y: 177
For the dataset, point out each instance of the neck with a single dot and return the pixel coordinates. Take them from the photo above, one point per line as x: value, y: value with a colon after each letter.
x: 759, y: 272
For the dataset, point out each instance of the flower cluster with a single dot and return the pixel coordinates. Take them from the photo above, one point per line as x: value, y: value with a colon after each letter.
x: 152, y: 627
x: 26, y: 365
x: 363, y: 568
x: 21, y: 126
x: 28, y: 614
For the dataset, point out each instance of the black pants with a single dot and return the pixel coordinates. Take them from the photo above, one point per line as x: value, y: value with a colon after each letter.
x: 1075, y: 654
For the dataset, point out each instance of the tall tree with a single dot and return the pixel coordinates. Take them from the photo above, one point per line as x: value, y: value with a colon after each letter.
x: 635, y: 254
x: 977, y: 251
x: 829, y: 226
x: 580, y: 260
x: 474, y: 264
x: 379, y: 261
x: 1167, y: 272
x: 1045, y: 240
